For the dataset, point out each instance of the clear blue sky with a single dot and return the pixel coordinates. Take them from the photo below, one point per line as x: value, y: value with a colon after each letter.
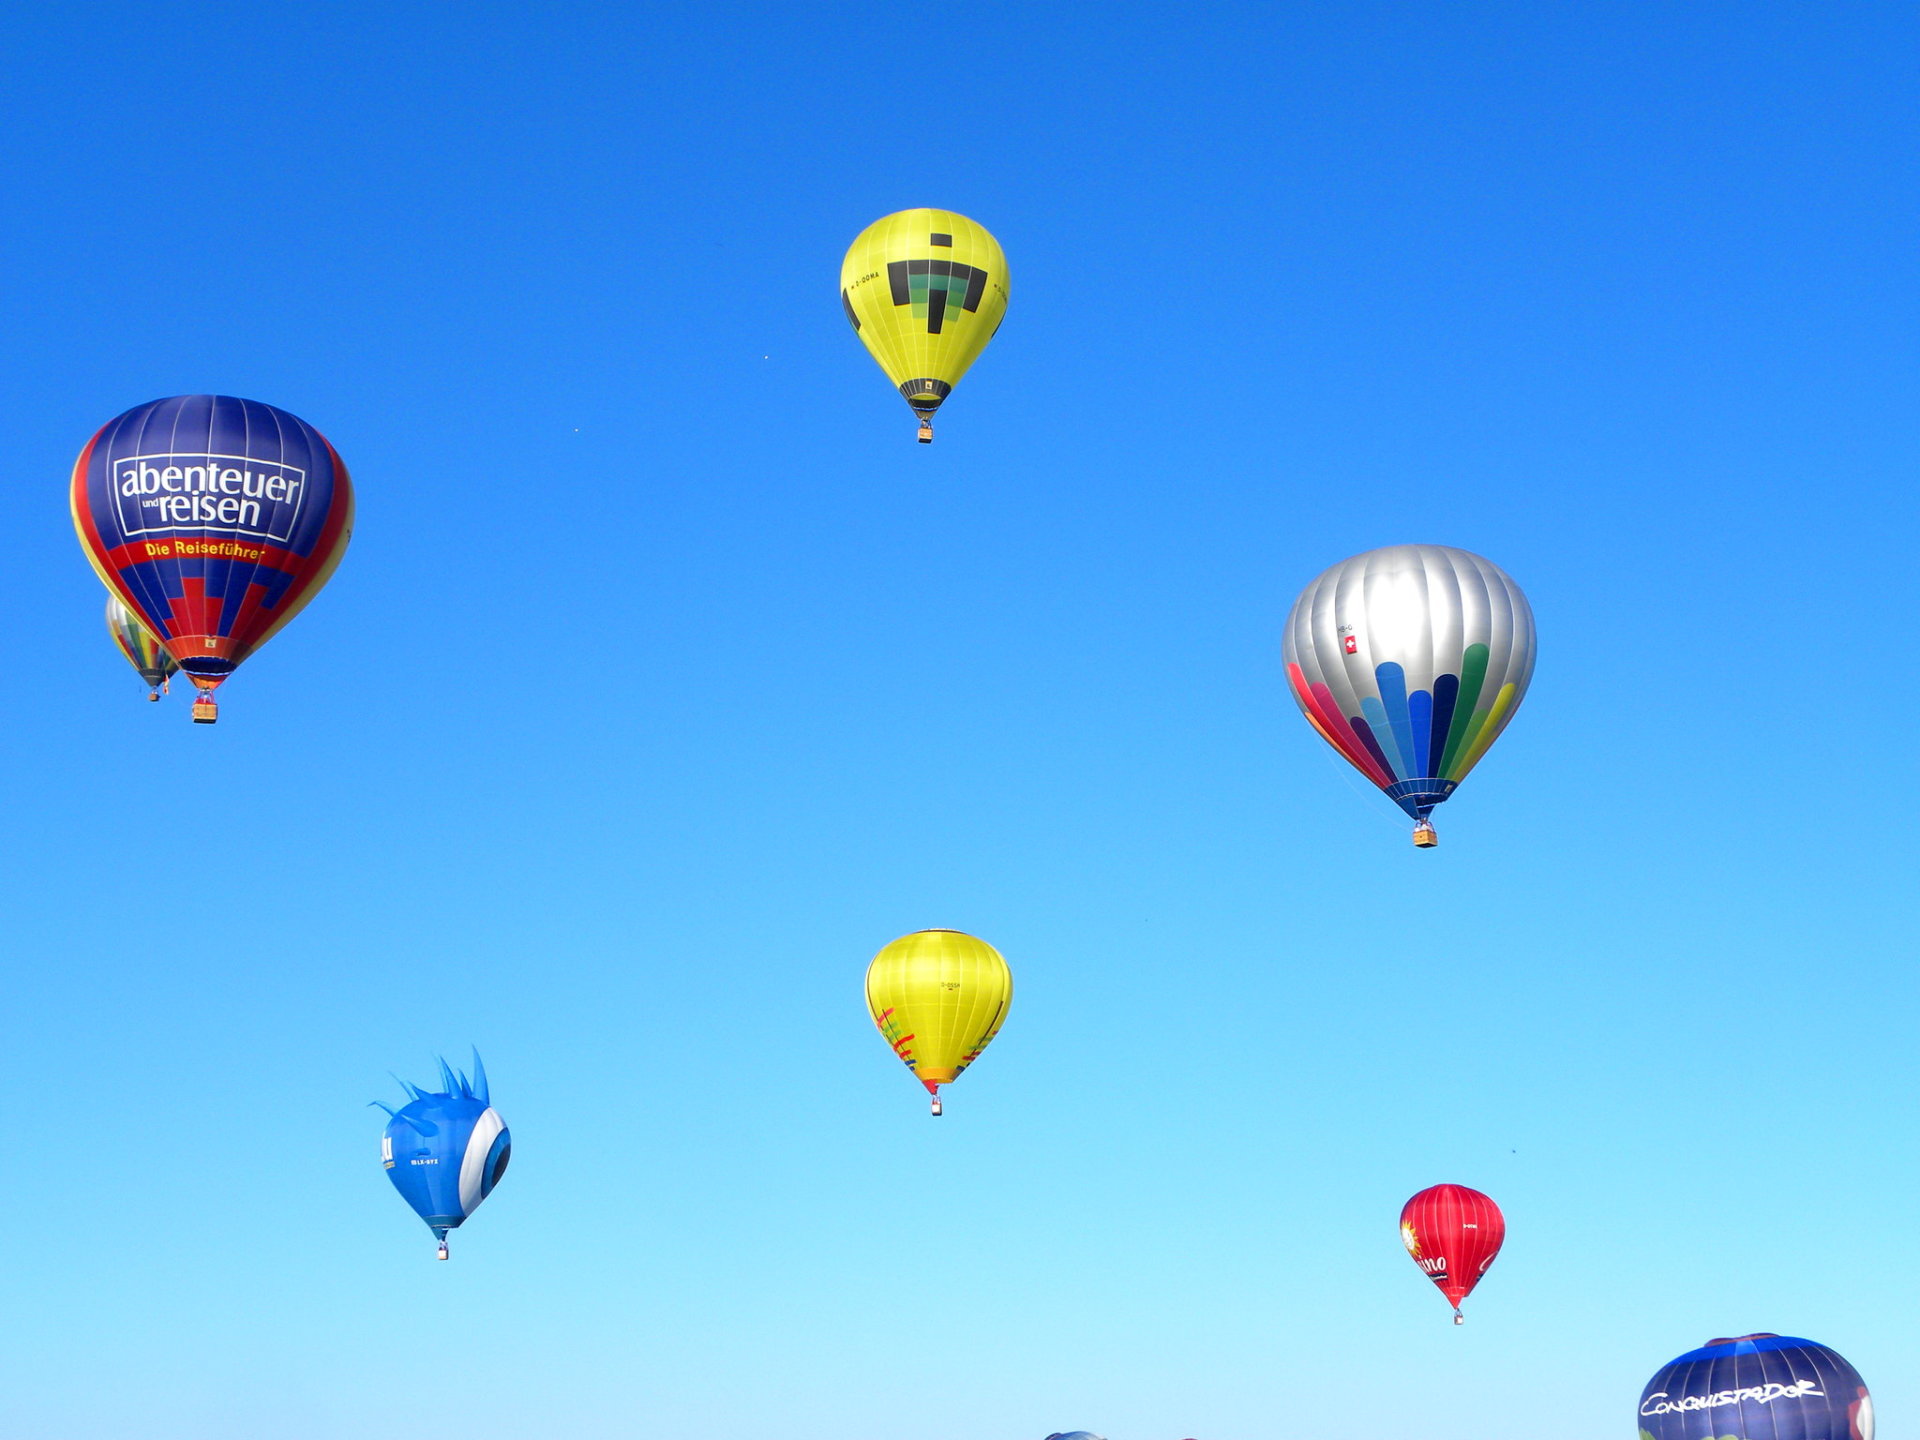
x: 667, y: 679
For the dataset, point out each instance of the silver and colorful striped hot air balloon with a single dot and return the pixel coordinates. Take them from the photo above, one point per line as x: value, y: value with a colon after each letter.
x: 146, y: 654
x: 1410, y: 660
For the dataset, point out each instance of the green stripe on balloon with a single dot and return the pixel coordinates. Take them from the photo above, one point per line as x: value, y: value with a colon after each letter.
x: 1487, y: 727
x: 1473, y: 675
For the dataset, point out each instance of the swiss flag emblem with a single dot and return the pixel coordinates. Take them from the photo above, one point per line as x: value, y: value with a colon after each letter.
x: 1353, y: 644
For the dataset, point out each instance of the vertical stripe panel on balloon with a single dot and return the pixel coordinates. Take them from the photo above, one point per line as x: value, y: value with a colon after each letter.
x: 1382, y: 730
x: 1473, y: 675
x: 1392, y: 680
x: 1348, y: 677
x: 1363, y: 732
x: 1501, y: 630
x: 1313, y: 635
x: 955, y: 964
x: 1495, y: 722
x: 919, y: 344
x: 1355, y: 670
x: 1448, y: 610
x: 1420, y: 723
x: 1446, y: 690
x: 965, y: 999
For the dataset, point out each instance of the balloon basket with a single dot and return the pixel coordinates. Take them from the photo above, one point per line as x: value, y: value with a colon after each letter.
x: 154, y: 696
x: 205, y: 712
x: 1458, y: 1318
x: 1424, y: 835
x: 442, y: 1253
x: 936, y: 1110
x: 926, y: 432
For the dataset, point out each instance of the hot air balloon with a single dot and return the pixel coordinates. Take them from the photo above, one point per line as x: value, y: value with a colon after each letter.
x: 1453, y: 1234
x: 1075, y: 1435
x: 446, y: 1149
x: 1758, y: 1385
x: 1410, y: 660
x: 143, y: 652
x: 939, y: 997
x: 925, y: 290
x: 214, y: 520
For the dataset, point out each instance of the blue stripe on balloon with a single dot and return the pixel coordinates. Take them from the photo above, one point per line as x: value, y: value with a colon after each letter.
x: 1420, y: 712
x: 1385, y: 737
x: 1446, y: 689
x: 1393, y: 697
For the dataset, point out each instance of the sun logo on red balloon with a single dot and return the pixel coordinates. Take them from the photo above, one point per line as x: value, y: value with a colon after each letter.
x: 1409, y: 1239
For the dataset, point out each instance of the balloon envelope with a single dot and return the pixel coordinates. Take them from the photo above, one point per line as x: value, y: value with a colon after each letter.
x: 1410, y: 660
x: 1453, y: 1234
x: 1757, y: 1387
x: 214, y: 520
x: 938, y: 997
x: 147, y: 655
x: 925, y: 290
x: 445, y: 1150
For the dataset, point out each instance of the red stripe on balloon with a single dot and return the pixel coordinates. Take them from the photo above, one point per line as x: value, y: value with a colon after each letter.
x: 1318, y: 702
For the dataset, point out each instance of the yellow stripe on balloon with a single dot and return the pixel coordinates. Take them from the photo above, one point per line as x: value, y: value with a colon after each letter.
x: 1487, y: 729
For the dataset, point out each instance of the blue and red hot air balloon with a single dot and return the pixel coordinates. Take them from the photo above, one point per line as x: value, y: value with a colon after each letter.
x: 1774, y: 1386
x: 214, y: 520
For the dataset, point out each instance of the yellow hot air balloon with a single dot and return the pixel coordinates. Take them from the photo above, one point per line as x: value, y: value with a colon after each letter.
x: 925, y: 290
x: 939, y: 997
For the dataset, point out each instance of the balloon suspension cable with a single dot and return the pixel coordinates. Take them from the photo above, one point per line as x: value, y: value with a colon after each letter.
x: 936, y: 1105
x: 1424, y: 835
x: 205, y: 712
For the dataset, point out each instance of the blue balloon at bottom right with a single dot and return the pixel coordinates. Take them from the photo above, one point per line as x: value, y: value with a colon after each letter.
x: 1757, y: 1387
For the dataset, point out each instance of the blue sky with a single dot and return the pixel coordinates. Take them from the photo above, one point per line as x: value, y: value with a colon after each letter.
x: 667, y: 679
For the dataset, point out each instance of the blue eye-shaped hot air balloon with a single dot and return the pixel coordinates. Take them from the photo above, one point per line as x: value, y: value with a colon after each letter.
x: 446, y: 1149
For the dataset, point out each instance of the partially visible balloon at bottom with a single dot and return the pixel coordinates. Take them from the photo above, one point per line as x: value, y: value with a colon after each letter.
x: 1772, y: 1385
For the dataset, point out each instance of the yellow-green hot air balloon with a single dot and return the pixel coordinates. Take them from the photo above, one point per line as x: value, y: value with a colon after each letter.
x: 938, y: 996
x: 925, y: 290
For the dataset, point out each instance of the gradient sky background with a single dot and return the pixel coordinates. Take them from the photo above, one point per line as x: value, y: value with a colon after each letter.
x: 667, y: 678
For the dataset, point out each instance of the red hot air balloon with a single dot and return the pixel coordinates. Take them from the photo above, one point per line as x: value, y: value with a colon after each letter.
x: 1452, y: 1233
